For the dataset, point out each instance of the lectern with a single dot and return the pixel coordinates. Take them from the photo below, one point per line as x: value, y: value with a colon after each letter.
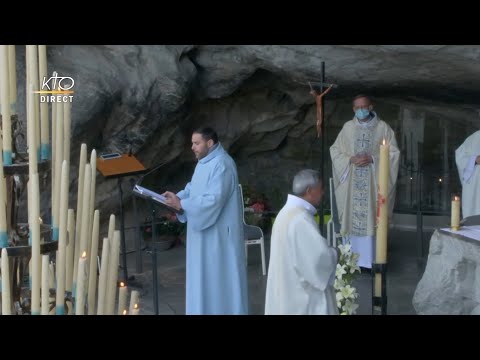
x: 117, y: 166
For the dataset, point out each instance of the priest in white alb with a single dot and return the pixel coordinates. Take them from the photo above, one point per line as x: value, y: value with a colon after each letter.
x: 355, y: 161
x: 302, y: 266
x: 467, y: 157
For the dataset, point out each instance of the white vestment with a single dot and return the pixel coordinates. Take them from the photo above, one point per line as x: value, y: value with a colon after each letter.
x: 469, y: 173
x: 356, y: 187
x: 302, y: 266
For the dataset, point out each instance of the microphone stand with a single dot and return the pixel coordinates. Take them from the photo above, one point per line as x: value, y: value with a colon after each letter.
x: 139, y: 263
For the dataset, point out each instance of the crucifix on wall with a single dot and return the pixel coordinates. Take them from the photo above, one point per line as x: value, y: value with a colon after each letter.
x: 317, y: 90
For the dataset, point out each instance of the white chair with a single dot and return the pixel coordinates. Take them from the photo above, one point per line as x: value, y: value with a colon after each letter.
x: 333, y: 225
x: 253, y: 235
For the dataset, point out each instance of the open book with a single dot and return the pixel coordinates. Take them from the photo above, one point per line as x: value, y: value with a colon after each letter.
x: 472, y: 232
x: 149, y: 194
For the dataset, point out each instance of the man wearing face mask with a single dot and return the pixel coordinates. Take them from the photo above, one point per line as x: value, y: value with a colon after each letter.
x: 355, y: 159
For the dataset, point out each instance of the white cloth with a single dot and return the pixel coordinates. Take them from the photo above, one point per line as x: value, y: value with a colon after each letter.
x: 302, y: 266
x: 469, y: 173
x: 295, y: 201
x: 363, y: 245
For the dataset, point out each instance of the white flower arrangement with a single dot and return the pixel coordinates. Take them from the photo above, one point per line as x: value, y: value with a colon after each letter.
x: 347, y: 268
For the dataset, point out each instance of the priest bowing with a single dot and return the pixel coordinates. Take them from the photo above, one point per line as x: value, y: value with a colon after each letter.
x: 302, y: 266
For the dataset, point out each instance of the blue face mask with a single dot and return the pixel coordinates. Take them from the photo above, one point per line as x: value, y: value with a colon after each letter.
x: 362, y: 114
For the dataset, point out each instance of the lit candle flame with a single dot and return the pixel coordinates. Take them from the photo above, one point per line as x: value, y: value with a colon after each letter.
x: 457, y: 198
x: 135, y: 306
x: 84, y: 255
x: 122, y: 284
x: 124, y: 312
x: 440, y: 180
x: 384, y: 142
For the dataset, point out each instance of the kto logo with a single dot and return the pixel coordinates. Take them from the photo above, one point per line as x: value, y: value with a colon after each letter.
x: 56, y: 89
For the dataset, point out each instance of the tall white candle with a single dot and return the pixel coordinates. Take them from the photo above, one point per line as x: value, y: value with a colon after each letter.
x: 111, y: 227
x: 113, y: 273
x: 35, y: 229
x: 93, y: 166
x: 70, y: 249
x: 53, y: 154
x: 455, y: 216
x: 51, y: 274
x: 136, y: 310
x: 6, y: 291
x: 34, y: 79
x: 5, y: 99
x: 3, y: 185
x: 382, y: 213
x: 81, y: 284
x: 45, y: 285
x: 44, y: 133
x: 102, y: 281
x: 32, y: 159
x: 12, y: 74
x: 78, y: 221
x: 3, y: 210
x: 62, y: 240
x: 122, y: 297
x: 92, y: 279
x: 134, y: 299
x: 86, y: 233
x: 67, y: 123
x: 58, y: 169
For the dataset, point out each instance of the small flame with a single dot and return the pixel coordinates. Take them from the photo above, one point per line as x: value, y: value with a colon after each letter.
x: 457, y: 198
x: 440, y: 180
x: 122, y: 284
x: 135, y: 306
x: 383, y: 143
x: 84, y: 255
x: 124, y: 312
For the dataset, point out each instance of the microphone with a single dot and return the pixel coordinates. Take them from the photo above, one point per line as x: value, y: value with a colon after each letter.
x: 152, y: 170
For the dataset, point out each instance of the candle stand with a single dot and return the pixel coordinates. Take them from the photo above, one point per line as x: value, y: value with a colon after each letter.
x: 19, y: 250
x: 379, y: 301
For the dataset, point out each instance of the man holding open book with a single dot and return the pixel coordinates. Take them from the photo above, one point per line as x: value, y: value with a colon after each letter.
x: 216, y: 264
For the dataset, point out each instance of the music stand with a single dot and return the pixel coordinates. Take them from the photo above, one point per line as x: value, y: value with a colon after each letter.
x: 153, y: 199
x: 116, y: 166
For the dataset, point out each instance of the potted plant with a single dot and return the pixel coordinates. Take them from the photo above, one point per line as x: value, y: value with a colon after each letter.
x: 257, y: 209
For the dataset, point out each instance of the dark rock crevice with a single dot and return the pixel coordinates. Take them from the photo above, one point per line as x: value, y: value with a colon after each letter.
x: 256, y: 97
